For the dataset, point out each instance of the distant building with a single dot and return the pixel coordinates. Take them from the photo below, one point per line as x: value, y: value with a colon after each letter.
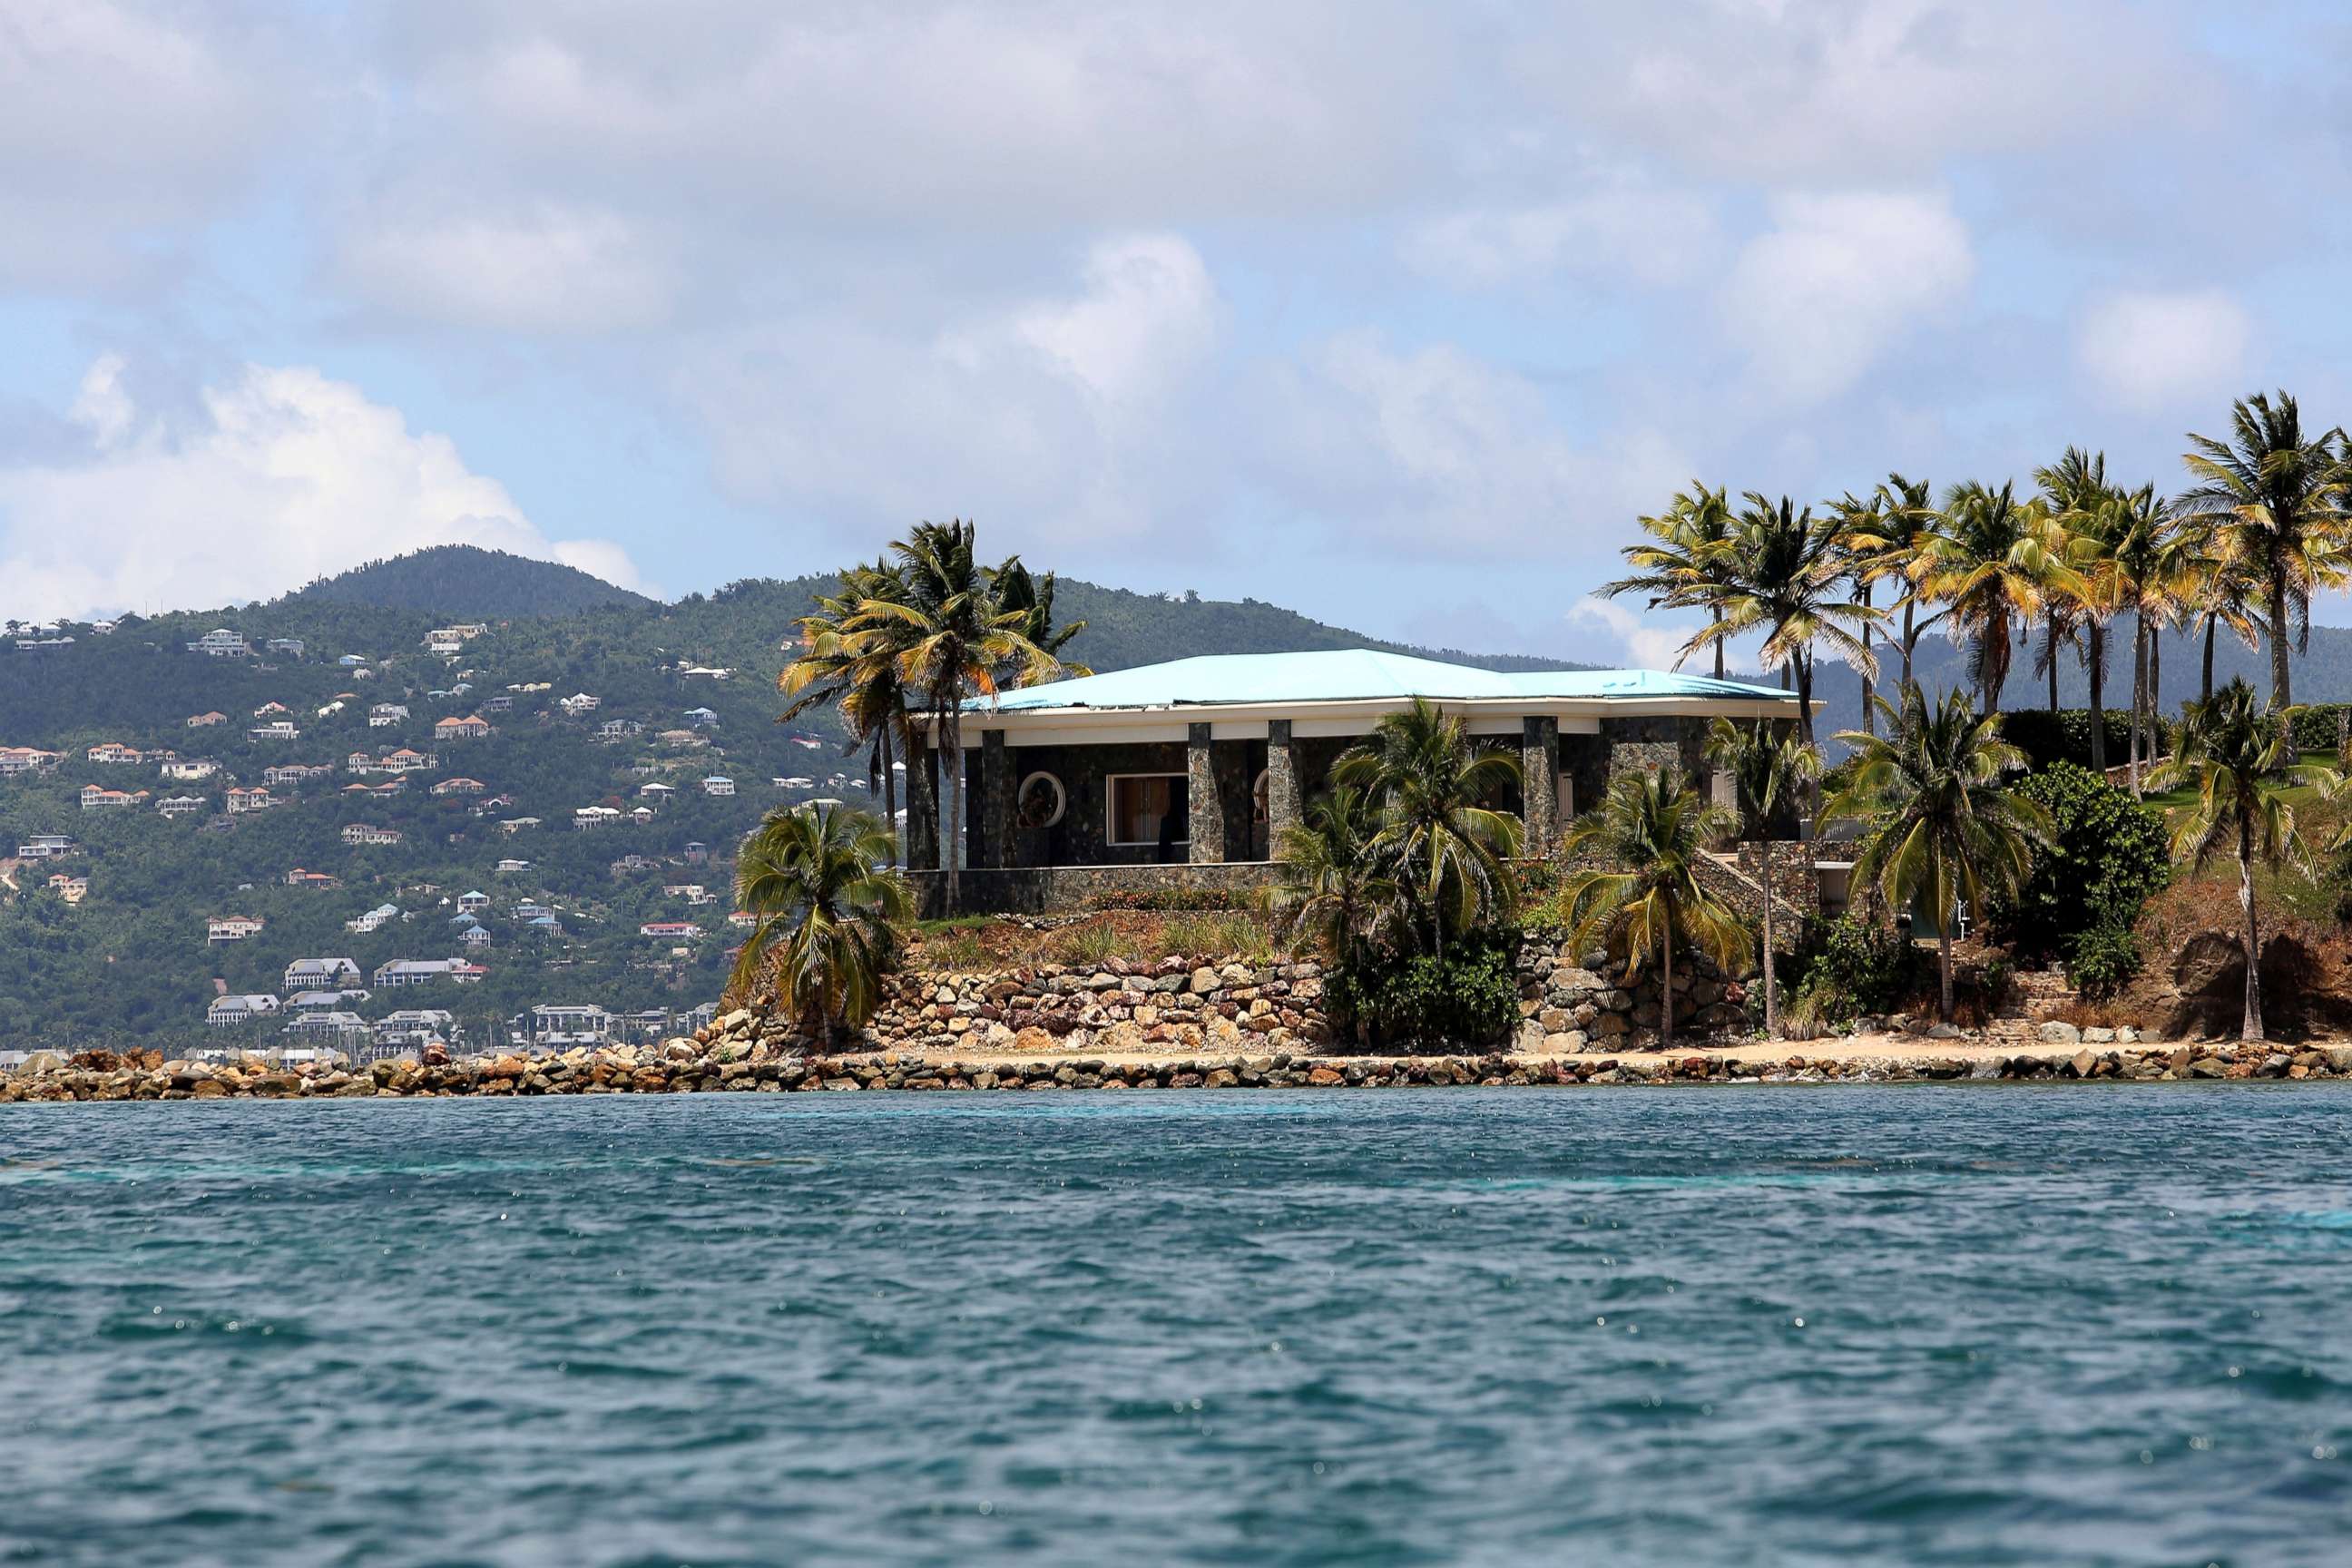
x: 459, y: 786
x: 299, y: 878
x: 222, y: 643
x: 296, y: 773
x: 241, y: 801
x: 25, y: 760
x: 320, y: 973
x: 591, y: 816
x: 360, y: 833
x: 95, y: 798
x: 579, y: 702
x: 205, y: 720
x: 181, y: 804
x: 425, y: 971
x: 244, y: 1009
x: 69, y: 888
x: 384, y: 715
x: 190, y: 771
x: 673, y: 930
x: 46, y: 846
x: 374, y: 920
x: 560, y: 1027
x: 293, y: 647
x: 116, y: 752
x: 473, y: 726
x: 701, y: 718
x: 278, y: 731
x: 232, y: 928
x: 718, y: 784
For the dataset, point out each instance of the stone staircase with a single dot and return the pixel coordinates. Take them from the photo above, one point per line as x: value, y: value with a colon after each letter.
x: 2035, y: 996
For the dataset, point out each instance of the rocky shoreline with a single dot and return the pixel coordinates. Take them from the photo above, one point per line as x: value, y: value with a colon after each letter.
x: 727, y: 1062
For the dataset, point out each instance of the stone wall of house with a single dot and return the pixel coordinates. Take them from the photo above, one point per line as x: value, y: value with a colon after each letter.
x: 1056, y: 890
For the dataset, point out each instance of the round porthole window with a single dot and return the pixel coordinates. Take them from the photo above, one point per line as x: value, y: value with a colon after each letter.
x: 1261, y: 796
x: 1040, y: 801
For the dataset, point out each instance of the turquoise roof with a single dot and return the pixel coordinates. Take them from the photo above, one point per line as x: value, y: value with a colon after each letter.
x: 1354, y: 675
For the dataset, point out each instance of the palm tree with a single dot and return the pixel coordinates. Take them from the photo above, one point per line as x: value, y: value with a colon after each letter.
x: 2076, y: 492
x: 1652, y: 831
x: 1335, y: 890
x: 859, y: 673
x: 1992, y: 563
x: 1448, y: 846
x: 1937, y: 821
x: 817, y: 876
x: 950, y: 641
x: 1769, y: 767
x: 1690, y: 561
x: 1788, y: 575
x: 2277, y: 498
x: 2221, y: 590
x: 1859, y: 529
x: 1017, y: 588
x: 2242, y: 758
x: 1905, y: 518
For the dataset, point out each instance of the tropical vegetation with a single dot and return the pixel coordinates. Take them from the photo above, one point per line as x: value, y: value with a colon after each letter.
x: 828, y: 907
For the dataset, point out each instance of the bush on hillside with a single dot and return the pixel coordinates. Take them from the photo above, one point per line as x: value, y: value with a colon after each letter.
x: 1471, y: 997
x: 2102, y: 961
x: 2109, y: 857
x: 1855, y: 965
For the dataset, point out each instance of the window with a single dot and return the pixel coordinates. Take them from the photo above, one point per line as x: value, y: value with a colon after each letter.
x: 1148, y: 808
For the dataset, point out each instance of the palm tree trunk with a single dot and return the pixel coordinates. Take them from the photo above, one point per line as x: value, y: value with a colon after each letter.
x: 2280, y: 696
x: 2139, y: 694
x: 2251, y: 1027
x: 2156, y: 696
x: 1944, y: 963
x: 951, y: 827
x: 1869, y: 719
x: 1719, y: 643
x: 1910, y: 637
x: 1666, y: 994
x: 2206, y: 693
x: 2095, y: 660
x: 890, y: 795
x: 1771, y: 994
x: 2051, y: 653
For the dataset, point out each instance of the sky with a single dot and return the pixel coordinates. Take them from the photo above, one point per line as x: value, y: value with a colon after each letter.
x: 1399, y: 315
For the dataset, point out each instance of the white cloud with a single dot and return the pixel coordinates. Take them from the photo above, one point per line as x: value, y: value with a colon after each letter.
x: 1439, y: 452
x: 1624, y: 233
x: 121, y: 125
x: 535, y: 267
x: 2148, y: 350
x: 284, y: 476
x: 1820, y: 296
x: 1061, y: 417
x: 1645, y: 644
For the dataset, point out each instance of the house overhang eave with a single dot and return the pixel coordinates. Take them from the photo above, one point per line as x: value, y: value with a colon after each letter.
x: 1247, y: 720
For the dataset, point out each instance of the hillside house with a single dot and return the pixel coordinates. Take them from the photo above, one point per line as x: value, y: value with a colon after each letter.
x: 291, y: 774
x: 425, y: 971
x: 320, y: 975
x: 181, y: 804
x: 373, y: 920
x: 657, y: 793
x: 384, y: 715
x: 705, y: 672
x: 16, y: 760
x: 719, y: 785
x: 189, y: 771
x: 290, y: 646
x: 115, y: 752
x: 241, y: 801
x: 620, y: 729
x: 700, y: 719
x: 459, y: 786
x: 47, y: 846
x: 512, y: 867
x: 351, y: 660
x: 1084, y: 784
x: 692, y: 893
x: 499, y: 705
x: 743, y: 919
x: 670, y: 931
x: 579, y: 702
x: 560, y: 1027
x: 405, y: 760
x: 223, y: 1011
x: 514, y: 825
x: 472, y: 727
x: 95, y: 797
x: 299, y: 878
x: 330, y: 1027
x: 280, y: 730
x: 321, y: 1001
x: 361, y: 833
x: 232, y: 928
x: 69, y: 888
x: 632, y: 865
x: 793, y: 780
x: 464, y: 632
x: 272, y: 710
x: 411, y: 1028
x: 475, y: 938
x: 222, y: 643
x: 207, y: 720
x: 473, y: 901
x: 592, y: 816
x: 642, y: 815
x: 682, y: 739
x: 697, y: 852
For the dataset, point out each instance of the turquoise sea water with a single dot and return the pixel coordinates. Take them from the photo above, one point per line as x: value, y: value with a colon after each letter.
x: 1904, y: 1325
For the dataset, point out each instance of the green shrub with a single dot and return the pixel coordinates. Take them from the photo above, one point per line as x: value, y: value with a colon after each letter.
x: 1855, y: 966
x: 1472, y: 997
x: 2102, y: 961
x: 2108, y: 857
x: 1170, y: 898
x: 2048, y: 738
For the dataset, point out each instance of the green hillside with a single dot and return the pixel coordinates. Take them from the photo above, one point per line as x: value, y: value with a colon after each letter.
x: 131, y: 963
x: 458, y: 579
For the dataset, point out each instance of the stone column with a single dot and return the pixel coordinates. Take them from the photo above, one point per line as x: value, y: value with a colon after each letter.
x: 1283, y: 806
x: 1539, y: 783
x: 923, y: 808
x: 995, y: 801
x: 1205, y: 807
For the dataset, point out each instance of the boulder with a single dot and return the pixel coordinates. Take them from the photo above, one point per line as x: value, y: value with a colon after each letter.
x: 2058, y: 1033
